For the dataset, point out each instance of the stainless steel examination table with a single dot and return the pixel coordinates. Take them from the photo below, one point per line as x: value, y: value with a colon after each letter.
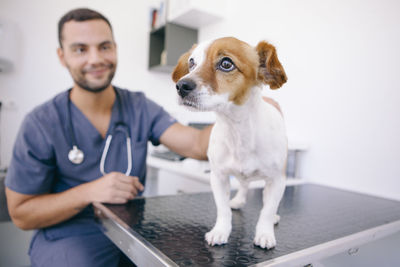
x: 316, y: 222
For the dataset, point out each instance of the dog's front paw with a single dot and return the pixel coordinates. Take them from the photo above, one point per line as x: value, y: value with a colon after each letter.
x: 265, y: 240
x: 217, y: 236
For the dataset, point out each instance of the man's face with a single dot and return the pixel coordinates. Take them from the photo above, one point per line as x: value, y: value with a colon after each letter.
x: 89, y: 53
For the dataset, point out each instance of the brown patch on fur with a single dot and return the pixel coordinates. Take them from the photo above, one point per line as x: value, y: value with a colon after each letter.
x: 252, y: 67
x: 270, y: 70
x: 238, y: 81
x: 182, y: 68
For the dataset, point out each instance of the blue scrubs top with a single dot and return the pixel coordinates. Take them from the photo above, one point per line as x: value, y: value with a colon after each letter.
x: 40, y: 157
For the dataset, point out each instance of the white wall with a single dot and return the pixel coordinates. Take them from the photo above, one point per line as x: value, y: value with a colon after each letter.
x: 37, y: 74
x: 342, y: 98
x: 342, y: 59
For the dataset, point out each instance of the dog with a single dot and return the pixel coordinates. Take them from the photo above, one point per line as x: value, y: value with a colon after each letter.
x: 248, y: 139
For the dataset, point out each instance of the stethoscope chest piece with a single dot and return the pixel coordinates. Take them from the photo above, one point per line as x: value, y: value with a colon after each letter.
x: 76, y: 155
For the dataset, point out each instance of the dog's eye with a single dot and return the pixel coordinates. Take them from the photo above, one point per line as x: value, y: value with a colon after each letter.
x: 226, y: 64
x: 191, y: 63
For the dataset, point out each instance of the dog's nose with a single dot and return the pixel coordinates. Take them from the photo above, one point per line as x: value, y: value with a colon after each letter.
x: 185, y: 86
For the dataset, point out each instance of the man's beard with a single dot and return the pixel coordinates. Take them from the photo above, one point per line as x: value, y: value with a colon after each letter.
x: 84, y: 84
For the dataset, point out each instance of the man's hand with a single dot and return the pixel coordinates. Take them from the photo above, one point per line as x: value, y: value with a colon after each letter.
x: 39, y: 211
x: 114, y: 187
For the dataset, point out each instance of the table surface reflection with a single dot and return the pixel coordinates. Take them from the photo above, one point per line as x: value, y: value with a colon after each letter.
x: 174, y: 226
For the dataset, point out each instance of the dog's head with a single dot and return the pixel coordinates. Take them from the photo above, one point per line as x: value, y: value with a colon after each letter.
x: 213, y: 74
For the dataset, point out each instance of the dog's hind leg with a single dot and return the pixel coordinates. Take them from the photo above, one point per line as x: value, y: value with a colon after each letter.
x: 221, y: 190
x: 240, y: 198
x: 273, y: 191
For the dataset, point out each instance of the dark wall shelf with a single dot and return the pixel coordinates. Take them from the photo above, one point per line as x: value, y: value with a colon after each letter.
x: 167, y: 44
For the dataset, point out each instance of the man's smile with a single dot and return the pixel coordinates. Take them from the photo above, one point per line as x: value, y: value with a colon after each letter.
x: 98, y: 72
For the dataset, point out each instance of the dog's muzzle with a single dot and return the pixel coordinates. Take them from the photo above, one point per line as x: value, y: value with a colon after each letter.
x: 185, y: 86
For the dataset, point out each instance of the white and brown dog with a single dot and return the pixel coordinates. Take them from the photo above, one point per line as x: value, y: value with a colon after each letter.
x: 248, y: 139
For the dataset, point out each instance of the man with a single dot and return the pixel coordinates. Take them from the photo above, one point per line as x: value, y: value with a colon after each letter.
x: 50, y: 191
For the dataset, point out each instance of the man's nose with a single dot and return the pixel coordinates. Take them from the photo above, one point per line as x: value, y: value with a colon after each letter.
x: 94, y: 56
x: 185, y: 86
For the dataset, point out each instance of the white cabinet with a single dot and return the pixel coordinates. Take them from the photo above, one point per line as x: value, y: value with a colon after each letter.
x: 195, y: 13
x: 173, y: 36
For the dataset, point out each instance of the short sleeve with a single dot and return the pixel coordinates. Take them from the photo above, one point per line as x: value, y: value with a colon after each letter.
x: 32, y: 165
x: 160, y: 121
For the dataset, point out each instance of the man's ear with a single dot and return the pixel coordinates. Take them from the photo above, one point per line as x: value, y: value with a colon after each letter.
x: 270, y: 70
x: 60, y: 53
x: 182, y: 68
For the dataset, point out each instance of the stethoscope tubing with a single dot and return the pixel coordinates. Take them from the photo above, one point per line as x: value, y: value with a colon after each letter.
x: 105, y: 152
x: 76, y: 156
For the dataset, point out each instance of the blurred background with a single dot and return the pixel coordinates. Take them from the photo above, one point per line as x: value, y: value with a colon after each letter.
x: 341, y: 103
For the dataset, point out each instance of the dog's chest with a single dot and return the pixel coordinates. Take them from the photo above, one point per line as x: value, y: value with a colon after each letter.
x: 256, y: 147
x: 234, y: 152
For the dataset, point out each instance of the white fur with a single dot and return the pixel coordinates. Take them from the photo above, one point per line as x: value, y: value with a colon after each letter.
x: 199, y: 54
x: 204, y: 100
x: 247, y: 141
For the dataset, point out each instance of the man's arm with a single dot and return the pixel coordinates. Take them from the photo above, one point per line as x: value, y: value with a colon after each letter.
x: 193, y: 143
x: 38, y: 211
x: 187, y: 141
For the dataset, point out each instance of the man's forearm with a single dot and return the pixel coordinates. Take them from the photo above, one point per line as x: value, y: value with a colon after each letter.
x: 204, y: 141
x: 49, y: 209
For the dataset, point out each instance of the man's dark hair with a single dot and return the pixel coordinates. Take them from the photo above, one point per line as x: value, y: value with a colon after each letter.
x: 79, y: 14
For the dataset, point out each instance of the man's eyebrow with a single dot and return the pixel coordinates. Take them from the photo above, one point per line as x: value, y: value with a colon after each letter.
x: 106, y: 43
x: 83, y: 44
x: 77, y: 44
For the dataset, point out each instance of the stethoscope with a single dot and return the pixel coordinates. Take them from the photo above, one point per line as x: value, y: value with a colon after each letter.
x: 76, y: 156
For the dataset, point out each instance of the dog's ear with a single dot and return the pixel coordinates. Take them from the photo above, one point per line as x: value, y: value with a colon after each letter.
x: 270, y: 70
x: 182, y: 68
